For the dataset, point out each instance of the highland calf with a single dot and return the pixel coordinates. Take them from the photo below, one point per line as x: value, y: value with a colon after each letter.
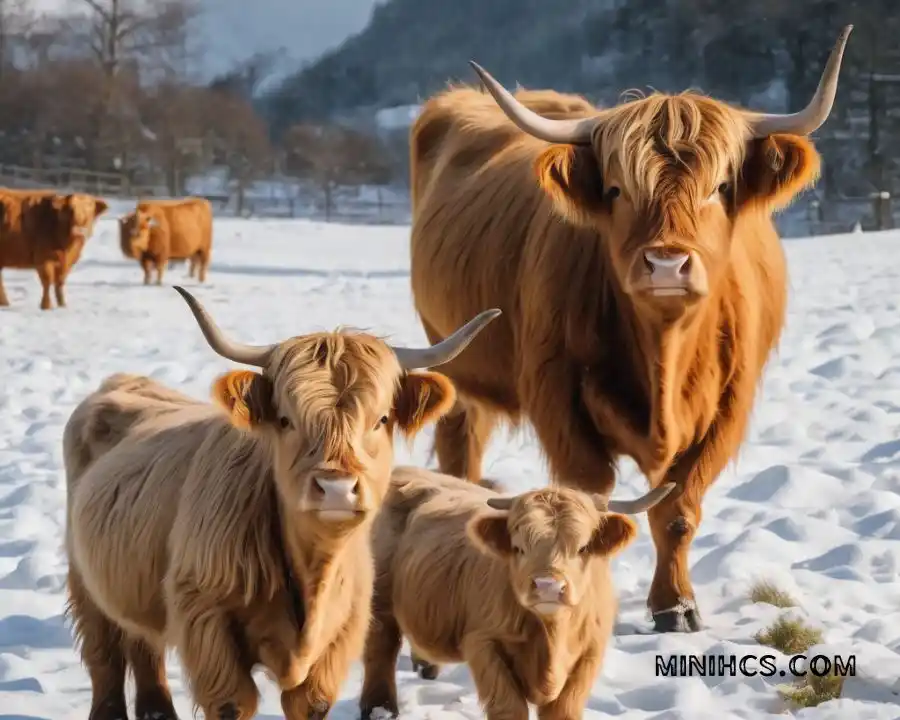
x: 518, y: 588
x: 161, y: 232
x: 642, y: 280
x: 239, y: 532
x: 45, y: 231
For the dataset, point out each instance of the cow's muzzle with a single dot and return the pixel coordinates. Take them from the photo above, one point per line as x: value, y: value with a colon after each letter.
x: 336, y: 498
x: 548, y: 594
x: 660, y: 272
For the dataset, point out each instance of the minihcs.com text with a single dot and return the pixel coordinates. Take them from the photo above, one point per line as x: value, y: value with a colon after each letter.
x: 754, y: 665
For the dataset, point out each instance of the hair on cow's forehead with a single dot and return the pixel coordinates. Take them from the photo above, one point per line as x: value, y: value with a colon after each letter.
x: 340, y: 372
x: 663, y: 138
x: 554, y: 513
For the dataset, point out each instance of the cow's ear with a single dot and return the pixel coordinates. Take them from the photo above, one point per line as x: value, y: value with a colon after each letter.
x: 777, y: 168
x: 100, y: 207
x: 571, y: 176
x: 247, y: 396
x: 489, y: 532
x: 422, y: 398
x: 614, y: 533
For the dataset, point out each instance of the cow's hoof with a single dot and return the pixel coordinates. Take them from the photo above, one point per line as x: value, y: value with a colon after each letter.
x: 425, y: 670
x: 376, y: 712
x: 109, y: 710
x: 684, y: 618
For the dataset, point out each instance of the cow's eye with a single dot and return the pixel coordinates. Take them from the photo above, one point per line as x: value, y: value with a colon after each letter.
x: 381, y: 422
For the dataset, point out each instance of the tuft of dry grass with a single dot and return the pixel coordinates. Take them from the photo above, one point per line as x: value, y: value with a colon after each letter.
x: 793, y: 636
x: 769, y: 593
x: 812, y: 690
x: 789, y: 635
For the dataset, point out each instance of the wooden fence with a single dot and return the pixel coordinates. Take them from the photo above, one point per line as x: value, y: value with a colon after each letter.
x: 809, y: 216
x: 106, y: 184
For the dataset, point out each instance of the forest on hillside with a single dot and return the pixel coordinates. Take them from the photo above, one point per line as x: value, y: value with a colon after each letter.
x: 767, y: 54
x: 112, y: 89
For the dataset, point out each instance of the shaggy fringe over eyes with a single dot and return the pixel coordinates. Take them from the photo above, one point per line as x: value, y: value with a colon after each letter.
x: 557, y: 510
x: 645, y: 137
x: 330, y: 380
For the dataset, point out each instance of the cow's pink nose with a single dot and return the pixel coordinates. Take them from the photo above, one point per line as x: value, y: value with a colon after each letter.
x: 548, y: 585
x: 672, y: 262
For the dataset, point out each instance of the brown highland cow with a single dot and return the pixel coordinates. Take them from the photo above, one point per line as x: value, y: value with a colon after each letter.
x: 518, y: 588
x: 643, y: 283
x: 159, y: 233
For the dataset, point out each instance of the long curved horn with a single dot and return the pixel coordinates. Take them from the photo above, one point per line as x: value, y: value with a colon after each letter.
x: 255, y: 355
x: 447, y: 349
x: 573, y: 132
x: 633, y: 507
x: 814, y: 115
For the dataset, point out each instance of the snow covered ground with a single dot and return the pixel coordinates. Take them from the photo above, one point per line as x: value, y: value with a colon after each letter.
x: 813, y: 503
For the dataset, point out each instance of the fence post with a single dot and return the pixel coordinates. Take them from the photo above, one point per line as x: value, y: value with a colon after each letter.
x: 884, y: 219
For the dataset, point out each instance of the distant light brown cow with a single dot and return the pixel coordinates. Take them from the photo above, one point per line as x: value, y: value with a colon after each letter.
x: 45, y: 231
x: 160, y: 232
x: 642, y: 280
x: 239, y: 532
x: 523, y: 594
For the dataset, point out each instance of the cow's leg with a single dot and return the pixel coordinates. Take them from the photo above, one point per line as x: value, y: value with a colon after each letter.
x: 314, y: 698
x: 673, y: 524
x: 219, y: 677
x: 59, y: 282
x: 161, y: 269
x: 461, y: 438
x: 498, y: 689
x: 147, y: 265
x: 570, y: 703
x: 578, y: 456
x: 101, y: 644
x: 203, y: 265
x: 46, y: 275
x: 153, y: 699
x: 4, y: 301
x: 382, y: 649
x: 675, y: 521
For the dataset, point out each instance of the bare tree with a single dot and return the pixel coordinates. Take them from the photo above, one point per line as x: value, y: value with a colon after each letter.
x: 139, y: 37
x: 332, y: 156
x: 16, y: 19
x: 241, y: 140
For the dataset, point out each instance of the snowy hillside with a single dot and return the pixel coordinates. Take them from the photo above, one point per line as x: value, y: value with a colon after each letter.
x: 813, y: 504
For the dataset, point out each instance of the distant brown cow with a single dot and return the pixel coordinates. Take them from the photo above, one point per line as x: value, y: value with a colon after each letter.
x: 158, y: 232
x: 518, y: 588
x: 45, y: 231
x: 239, y: 532
x: 642, y: 280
